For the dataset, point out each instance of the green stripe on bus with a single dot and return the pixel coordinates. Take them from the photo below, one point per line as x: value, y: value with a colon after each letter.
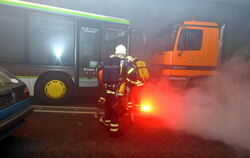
x: 63, y: 10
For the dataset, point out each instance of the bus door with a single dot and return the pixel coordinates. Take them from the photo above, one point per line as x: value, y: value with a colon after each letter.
x: 89, y: 49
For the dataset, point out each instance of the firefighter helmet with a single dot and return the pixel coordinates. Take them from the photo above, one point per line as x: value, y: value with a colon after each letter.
x: 120, y: 50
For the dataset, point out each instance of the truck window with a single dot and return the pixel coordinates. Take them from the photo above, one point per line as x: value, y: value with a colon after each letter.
x: 190, y: 39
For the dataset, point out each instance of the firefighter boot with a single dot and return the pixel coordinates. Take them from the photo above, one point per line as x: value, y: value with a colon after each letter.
x: 114, y: 130
x: 104, y: 121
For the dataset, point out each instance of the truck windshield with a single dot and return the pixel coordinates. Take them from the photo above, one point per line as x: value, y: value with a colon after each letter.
x: 6, y: 79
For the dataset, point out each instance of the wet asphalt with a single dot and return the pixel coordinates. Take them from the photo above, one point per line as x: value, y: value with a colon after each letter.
x: 73, y: 131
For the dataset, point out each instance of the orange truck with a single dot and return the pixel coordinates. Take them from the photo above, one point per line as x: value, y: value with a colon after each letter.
x: 196, y: 51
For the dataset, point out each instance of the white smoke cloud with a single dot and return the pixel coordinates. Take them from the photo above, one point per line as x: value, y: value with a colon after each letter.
x: 219, y: 109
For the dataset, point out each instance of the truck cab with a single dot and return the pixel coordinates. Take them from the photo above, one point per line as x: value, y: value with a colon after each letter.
x: 195, y: 51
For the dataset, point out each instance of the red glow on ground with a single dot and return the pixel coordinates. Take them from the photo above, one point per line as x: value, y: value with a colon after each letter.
x: 146, y: 108
x: 160, y: 100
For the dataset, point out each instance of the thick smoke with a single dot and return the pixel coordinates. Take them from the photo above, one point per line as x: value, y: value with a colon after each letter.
x: 217, y: 109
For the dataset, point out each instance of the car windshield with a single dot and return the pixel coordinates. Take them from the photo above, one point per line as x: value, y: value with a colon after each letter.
x: 6, y: 79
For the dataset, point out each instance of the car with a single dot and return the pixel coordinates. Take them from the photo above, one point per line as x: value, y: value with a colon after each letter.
x: 14, y: 103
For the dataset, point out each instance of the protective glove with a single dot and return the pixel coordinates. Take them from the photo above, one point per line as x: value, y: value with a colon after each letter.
x: 101, y: 100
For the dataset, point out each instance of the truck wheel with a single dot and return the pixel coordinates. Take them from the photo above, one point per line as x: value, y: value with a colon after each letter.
x: 54, y: 88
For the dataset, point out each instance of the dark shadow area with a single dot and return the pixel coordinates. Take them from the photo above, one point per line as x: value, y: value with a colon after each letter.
x: 83, y: 100
x: 72, y: 135
x: 13, y: 147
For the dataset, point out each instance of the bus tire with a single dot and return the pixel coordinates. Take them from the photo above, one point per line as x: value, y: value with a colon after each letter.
x: 54, y: 88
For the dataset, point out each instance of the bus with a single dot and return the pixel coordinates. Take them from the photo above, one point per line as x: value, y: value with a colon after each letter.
x: 55, y: 51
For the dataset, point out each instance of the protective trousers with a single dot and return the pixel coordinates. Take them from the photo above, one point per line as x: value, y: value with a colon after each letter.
x: 111, y: 117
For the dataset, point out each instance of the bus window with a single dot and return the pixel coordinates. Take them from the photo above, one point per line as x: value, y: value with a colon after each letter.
x: 11, y: 35
x: 89, y: 55
x: 89, y: 46
x: 51, y: 39
x: 113, y: 37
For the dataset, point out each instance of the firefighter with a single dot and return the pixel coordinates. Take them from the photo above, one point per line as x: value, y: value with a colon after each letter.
x: 102, y: 98
x: 114, y: 77
x: 133, y: 82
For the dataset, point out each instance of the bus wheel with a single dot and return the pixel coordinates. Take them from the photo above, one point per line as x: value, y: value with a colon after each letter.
x: 54, y: 88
